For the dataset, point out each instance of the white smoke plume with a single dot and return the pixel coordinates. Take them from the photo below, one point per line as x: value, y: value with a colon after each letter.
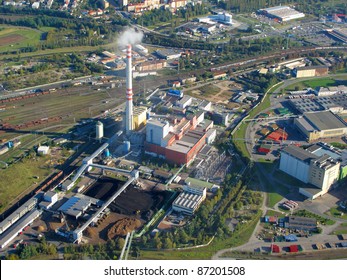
x: 129, y: 36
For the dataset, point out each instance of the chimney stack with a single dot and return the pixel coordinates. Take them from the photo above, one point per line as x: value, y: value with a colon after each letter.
x: 129, y: 93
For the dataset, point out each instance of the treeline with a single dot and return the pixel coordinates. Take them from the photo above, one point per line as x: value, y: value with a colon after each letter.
x: 30, y: 251
x: 36, y: 12
x: 164, y: 15
x: 177, y: 42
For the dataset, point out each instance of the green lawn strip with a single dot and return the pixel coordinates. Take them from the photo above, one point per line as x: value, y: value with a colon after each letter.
x: 335, y: 212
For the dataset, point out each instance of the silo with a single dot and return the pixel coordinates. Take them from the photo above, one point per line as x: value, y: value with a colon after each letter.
x: 99, y: 130
x: 126, y: 146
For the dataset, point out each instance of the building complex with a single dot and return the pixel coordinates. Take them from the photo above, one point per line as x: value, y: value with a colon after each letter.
x: 320, y: 166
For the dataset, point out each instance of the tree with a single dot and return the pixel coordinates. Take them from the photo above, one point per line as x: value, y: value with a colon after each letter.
x: 168, y: 244
x: 120, y: 243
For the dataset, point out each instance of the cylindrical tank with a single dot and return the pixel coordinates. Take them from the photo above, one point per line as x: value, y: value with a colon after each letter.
x: 99, y: 130
x: 107, y: 153
x: 126, y: 146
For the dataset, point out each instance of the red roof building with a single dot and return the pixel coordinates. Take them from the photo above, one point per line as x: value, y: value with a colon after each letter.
x: 264, y: 149
x: 278, y: 135
x: 275, y: 248
x: 293, y: 248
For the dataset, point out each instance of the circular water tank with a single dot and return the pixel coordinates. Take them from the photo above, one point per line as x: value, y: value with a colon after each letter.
x: 126, y: 146
x: 99, y: 130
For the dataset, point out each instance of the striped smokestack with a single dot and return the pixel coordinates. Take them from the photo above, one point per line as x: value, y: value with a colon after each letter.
x: 129, y: 94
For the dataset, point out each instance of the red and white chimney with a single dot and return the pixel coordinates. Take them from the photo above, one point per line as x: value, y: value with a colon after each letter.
x: 129, y: 94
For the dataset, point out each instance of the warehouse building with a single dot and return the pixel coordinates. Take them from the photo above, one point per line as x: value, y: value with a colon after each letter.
x: 300, y: 223
x: 311, y: 71
x: 17, y: 214
x: 151, y: 65
x: 281, y: 13
x: 18, y: 227
x: 78, y: 205
x: 168, y: 54
x: 318, y: 125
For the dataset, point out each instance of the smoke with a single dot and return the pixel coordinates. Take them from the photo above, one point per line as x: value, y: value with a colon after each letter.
x: 129, y: 36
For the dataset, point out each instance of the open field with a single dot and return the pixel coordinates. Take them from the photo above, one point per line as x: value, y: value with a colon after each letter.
x: 21, y: 177
x: 318, y: 82
x: 14, y: 38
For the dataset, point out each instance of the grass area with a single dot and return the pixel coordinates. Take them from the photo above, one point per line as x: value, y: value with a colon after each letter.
x: 337, y: 213
x: 238, y: 238
x: 325, y: 82
x: 204, y: 91
x: 274, y: 213
x: 318, y: 82
x: 341, y: 229
x: 75, y: 49
x: 14, y: 38
x: 320, y: 219
x: 19, y: 178
x: 275, y: 191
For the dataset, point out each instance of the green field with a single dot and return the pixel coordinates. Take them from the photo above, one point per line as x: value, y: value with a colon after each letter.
x: 319, y: 82
x: 20, y: 178
x: 337, y: 213
x: 14, y: 38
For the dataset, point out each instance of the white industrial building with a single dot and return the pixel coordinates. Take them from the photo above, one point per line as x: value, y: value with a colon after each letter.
x: 49, y: 199
x: 184, y: 102
x: 318, y: 169
x: 43, y: 150
x: 211, y: 135
x: 282, y: 13
x: 187, y: 203
x: 19, y: 213
x: 18, y: 227
x: 141, y: 49
x: 156, y: 131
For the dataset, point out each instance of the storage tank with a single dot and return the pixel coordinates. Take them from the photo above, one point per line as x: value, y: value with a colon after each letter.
x: 99, y: 130
x: 126, y: 146
x: 107, y: 153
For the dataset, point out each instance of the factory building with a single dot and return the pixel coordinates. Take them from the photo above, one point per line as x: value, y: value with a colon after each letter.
x: 281, y: 13
x: 139, y: 117
x: 318, y: 125
x: 194, y: 193
x: 187, y: 203
x: 316, y: 166
x: 178, y: 143
x: 311, y: 71
x: 156, y: 131
x: 151, y: 65
x: 49, y: 198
